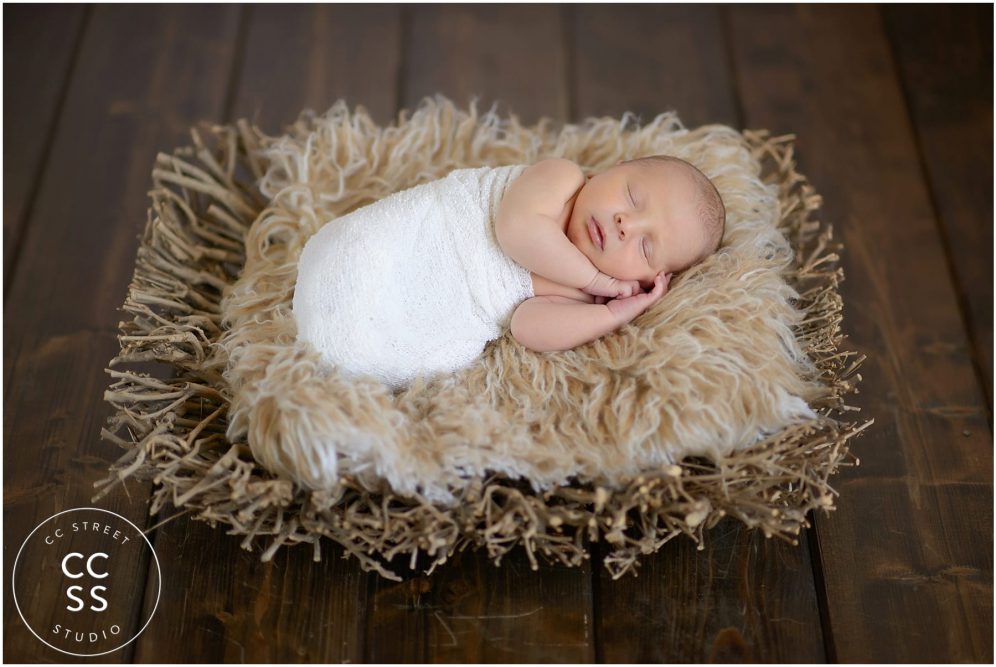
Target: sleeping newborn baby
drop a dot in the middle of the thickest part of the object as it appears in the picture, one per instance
(417, 283)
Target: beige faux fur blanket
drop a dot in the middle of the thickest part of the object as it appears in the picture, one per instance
(710, 369)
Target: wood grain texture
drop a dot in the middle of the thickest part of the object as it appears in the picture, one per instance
(907, 556)
(648, 59)
(145, 74)
(39, 43)
(469, 611)
(299, 57)
(944, 58)
(221, 603)
(510, 54)
(743, 598)
(291, 609)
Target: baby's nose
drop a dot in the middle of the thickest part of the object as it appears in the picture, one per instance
(624, 224)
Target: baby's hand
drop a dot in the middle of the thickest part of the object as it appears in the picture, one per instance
(604, 285)
(625, 309)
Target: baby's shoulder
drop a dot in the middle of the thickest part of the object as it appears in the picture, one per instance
(553, 172)
(545, 287)
(544, 188)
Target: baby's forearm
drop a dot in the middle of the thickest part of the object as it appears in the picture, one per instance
(544, 325)
(541, 246)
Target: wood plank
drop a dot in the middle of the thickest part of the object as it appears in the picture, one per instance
(144, 75)
(953, 119)
(469, 610)
(298, 58)
(510, 54)
(907, 556)
(223, 604)
(648, 59)
(39, 42)
(743, 598)
(290, 609)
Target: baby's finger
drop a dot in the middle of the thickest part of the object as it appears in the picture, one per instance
(664, 280)
(645, 299)
(660, 287)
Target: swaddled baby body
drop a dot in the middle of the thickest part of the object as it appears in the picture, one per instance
(419, 282)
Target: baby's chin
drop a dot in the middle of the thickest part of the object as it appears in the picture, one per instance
(584, 246)
(621, 275)
(596, 258)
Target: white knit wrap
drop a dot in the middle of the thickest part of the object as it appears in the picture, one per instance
(413, 284)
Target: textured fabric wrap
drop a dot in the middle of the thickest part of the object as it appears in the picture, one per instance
(413, 284)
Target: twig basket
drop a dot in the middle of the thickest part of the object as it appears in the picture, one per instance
(173, 427)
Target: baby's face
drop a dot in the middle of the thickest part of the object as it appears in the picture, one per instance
(634, 221)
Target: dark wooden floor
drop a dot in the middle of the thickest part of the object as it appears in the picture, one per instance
(892, 107)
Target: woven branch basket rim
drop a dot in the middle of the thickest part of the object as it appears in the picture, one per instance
(173, 429)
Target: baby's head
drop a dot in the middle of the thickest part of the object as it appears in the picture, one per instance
(650, 215)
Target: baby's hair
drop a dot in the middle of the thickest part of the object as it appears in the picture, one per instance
(709, 202)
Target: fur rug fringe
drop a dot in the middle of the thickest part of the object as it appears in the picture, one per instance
(183, 301)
